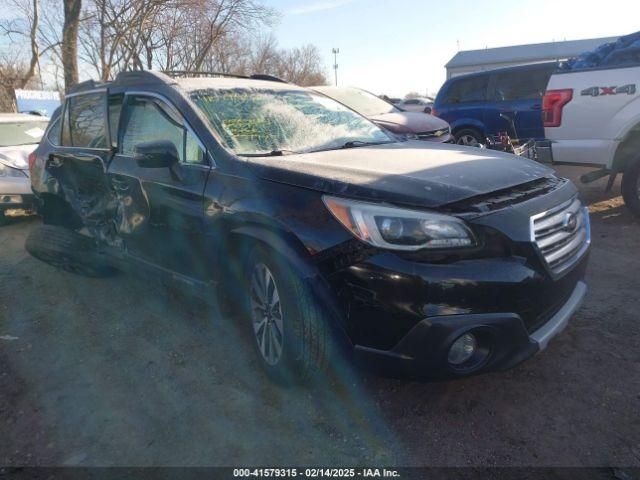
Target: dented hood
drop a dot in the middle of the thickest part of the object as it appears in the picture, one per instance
(412, 173)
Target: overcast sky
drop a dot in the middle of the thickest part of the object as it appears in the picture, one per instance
(396, 46)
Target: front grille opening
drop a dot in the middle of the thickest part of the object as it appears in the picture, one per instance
(509, 196)
(561, 234)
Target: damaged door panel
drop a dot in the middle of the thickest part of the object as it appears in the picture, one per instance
(83, 184)
(80, 166)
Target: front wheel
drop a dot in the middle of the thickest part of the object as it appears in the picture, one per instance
(469, 137)
(287, 327)
(631, 187)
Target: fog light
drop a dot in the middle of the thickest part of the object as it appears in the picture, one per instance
(462, 349)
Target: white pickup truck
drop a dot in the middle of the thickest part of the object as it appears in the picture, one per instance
(592, 117)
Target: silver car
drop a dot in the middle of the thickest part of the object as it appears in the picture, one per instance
(19, 136)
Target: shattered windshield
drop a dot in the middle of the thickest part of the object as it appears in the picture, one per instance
(21, 133)
(260, 121)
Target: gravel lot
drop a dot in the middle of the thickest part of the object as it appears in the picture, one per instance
(118, 372)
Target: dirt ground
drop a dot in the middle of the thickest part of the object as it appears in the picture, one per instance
(117, 372)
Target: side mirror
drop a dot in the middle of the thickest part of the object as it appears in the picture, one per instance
(156, 154)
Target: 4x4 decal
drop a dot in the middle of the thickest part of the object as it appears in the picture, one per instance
(629, 89)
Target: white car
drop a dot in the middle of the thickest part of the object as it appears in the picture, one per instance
(19, 136)
(416, 105)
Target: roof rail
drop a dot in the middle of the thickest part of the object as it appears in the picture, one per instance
(149, 77)
(255, 76)
(154, 77)
(197, 73)
(86, 85)
(264, 76)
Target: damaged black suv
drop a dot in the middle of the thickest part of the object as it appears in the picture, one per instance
(427, 260)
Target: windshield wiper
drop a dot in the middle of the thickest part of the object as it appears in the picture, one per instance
(353, 144)
(272, 153)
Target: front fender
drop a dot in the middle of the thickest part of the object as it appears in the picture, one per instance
(294, 254)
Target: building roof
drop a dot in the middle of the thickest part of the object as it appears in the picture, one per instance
(523, 53)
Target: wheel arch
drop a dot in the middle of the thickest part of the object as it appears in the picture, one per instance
(245, 237)
(468, 123)
(628, 150)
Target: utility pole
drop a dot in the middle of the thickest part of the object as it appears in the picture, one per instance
(335, 51)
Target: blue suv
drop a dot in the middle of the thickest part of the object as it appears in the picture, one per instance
(482, 104)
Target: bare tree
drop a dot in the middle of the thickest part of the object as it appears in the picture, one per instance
(303, 66)
(24, 25)
(69, 54)
(118, 35)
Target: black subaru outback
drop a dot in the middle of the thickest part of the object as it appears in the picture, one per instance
(430, 260)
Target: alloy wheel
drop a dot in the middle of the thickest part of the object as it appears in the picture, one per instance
(468, 140)
(266, 312)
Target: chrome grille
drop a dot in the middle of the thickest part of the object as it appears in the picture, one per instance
(433, 133)
(562, 234)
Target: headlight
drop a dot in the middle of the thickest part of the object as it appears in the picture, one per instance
(7, 171)
(399, 229)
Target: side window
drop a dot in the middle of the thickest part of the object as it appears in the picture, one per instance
(521, 85)
(411, 101)
(148, 119)
(468, 90)
(54, 132)
(85, 121)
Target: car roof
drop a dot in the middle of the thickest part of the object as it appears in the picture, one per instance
(331, 88)
(187, 81)
(190, 84)
(21, 117)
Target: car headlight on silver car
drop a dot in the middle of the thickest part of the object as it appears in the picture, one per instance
(399, 228)
(8, 171)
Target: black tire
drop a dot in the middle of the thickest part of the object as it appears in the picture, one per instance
(68, 250)
(460, 136)
(631, 187)
(307, 338)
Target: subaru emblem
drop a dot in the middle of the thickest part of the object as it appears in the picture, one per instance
(570, 222)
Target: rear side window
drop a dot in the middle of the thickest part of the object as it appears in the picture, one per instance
(148, 119)
(467, 90)
(85, 122)
(521, 85)
(54, 132)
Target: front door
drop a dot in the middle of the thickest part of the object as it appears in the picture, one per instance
(160, 216)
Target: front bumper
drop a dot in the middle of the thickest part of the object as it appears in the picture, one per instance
(503, 339)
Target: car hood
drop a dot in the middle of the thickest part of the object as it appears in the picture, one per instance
(412, 173)
(18, 156)
(409, 122)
